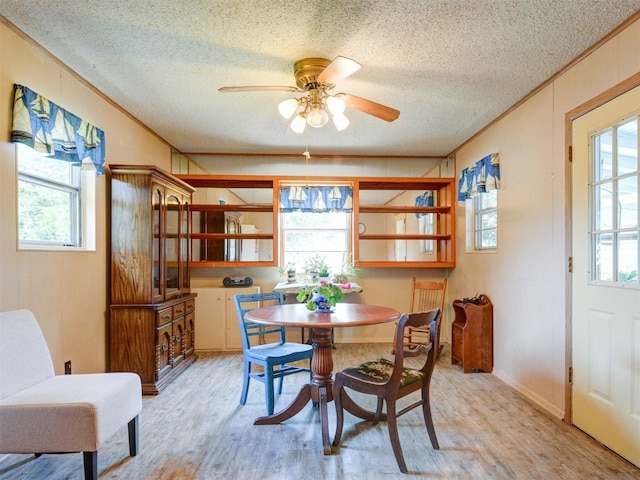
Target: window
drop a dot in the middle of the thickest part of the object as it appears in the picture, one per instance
(485, 220)
(309, 233)
(400, 229)
(426, 227)
(55, 203)
(613, 196)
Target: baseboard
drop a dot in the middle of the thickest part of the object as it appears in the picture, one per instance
(535, 398)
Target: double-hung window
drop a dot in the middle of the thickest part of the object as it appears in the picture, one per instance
(53, 200)
(306, 234)
(478, 187)
(58, 155)
(485, 220)
(316, 224)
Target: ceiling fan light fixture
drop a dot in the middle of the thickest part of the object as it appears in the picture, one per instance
(298, 124)
(335, 105)
(317, 117)
(341, 122)
(288, 107)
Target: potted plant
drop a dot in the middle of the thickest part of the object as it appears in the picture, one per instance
(348, 269)
(321, 296)
(290, 269)
(316, 266)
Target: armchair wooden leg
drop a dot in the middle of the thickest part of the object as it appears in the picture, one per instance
(428, 419)
(376, 417)
(337, 400)
(133, 436)
(392, 426)
(90, 465)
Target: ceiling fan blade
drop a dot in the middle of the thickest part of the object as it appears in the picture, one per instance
(259, 89)
(339, 68)
(372, 108)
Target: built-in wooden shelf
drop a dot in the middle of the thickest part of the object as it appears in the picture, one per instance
(443, 235)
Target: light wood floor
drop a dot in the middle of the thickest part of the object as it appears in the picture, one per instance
(196, 429)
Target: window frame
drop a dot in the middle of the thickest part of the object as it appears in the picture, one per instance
(613, 180)
(479, 213)
(348, 232)
(82, 217)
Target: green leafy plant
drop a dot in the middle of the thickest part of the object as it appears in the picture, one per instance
(316, 264)
(289, 267)
(348, 269)
(322, 292)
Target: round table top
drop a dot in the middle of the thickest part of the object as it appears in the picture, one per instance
(343, 315)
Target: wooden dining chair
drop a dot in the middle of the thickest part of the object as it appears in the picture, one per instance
(391, 380)
(425, 295)
(275, 357)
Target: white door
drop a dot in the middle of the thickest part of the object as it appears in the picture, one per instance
(605, 293)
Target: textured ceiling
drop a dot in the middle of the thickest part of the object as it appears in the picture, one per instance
(449, 66)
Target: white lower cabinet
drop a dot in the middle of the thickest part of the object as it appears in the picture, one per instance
(217, 326)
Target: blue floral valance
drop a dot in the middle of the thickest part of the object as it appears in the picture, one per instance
(316, 199)
(49, 129)
(424, 200)
(479, 178)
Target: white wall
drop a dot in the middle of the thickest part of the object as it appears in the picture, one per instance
(527, 278)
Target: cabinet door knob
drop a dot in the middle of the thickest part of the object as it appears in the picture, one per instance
(164, 347)
(177, 339)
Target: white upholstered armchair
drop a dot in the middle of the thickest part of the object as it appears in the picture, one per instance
(41, 412)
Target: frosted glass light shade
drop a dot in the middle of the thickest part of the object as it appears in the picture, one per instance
(298, 124)
(288, 107)
(317, 117)
(335, 105)
(341, 122)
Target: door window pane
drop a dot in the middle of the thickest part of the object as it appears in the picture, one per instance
(628, 201)
(604, 206)
(602, 152)
(613, 191)
(603, 257)
(628, 257)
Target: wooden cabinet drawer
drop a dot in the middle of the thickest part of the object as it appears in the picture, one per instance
(190, 306)
(164, 316)
(179, 310)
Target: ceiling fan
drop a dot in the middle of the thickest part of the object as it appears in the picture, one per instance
(315, 77)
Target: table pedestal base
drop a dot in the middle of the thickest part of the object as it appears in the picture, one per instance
(320, 390)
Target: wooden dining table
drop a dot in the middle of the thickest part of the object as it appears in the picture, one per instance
(320, 390)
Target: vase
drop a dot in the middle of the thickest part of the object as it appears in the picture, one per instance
(323, 305)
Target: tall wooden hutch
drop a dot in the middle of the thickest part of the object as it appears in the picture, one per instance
(152, 312)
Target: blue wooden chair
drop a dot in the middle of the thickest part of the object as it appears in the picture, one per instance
(273, 357)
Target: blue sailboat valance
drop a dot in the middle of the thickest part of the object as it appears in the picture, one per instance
(50, 129)
(479, 178)
(424, 200)
(299, 198)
